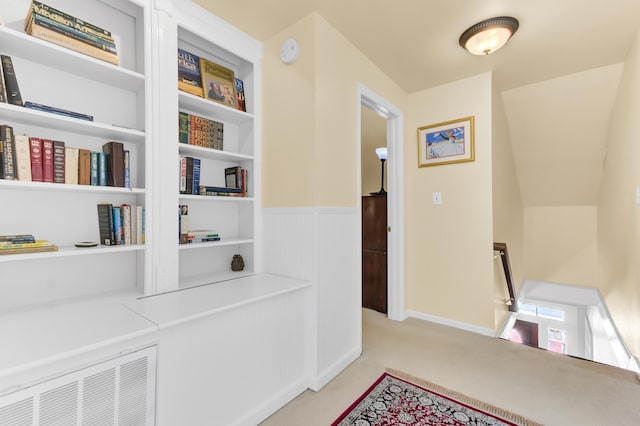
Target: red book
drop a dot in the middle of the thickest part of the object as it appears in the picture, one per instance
(35, 147)
(47, 160)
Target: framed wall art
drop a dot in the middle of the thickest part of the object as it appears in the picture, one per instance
(446, 143)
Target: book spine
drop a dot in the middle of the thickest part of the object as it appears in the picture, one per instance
(127, 168)
(105, 224)
(183, 224)
(37, 243)
(192, 130)
(18, 238)
(195, 188)
(183, 175)
(133, 219)
(35, 147)
(71, 165)
(8, 153)
(3, 89)
(115, 163)
(29, 250)
(183, 126)
(10, 81)
(23, 157)
(74, 33)
(75, 45)
(189, 178)
(59, 27)
(47, 108)
(125, 210)
(47, 160)
(93, 180)
(84, 167)
(39, 8)
(58, 162)
(141, 225)
(102, 169)
(118, 232)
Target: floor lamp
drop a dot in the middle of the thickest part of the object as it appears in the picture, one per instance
(382, 155)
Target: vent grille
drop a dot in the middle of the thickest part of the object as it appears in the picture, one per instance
(120, 392)
(59, 406)
(17, 414)
(99, 399)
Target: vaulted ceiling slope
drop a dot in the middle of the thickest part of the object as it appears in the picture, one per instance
(559, 73)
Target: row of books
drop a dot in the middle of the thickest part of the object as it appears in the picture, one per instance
(10, 93)
(24, 243)
(63, 29)
(121, 225)
(236, 180)
(34, 159)
(200, 131)
(209, 80)
(187, 236)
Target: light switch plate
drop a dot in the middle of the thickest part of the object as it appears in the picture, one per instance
(436, 198)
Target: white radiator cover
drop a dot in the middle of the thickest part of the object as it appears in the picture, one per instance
(120, 391)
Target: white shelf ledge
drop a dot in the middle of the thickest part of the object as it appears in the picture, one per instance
(71, 251)
(212, 110)
(63, 187)
(213, 244)
(213, 154)
(175, 308)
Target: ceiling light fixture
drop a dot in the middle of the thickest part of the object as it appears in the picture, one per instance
(489, 35)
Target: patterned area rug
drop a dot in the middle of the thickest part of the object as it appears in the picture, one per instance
(397, 399)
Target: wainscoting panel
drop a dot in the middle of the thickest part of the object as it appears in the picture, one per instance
(319, 244)
(235, 366)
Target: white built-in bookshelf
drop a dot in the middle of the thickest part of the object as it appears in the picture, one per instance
(118, 97)
(235, 219)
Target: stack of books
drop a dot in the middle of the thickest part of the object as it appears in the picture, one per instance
(24, 243)
(202, 236)
(66, 30)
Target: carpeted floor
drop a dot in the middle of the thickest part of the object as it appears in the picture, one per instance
(545, 387)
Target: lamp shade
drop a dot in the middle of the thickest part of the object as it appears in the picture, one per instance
(381, 153)
(489, 35)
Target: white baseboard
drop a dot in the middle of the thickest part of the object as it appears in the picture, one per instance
(318, 382)
(273, 404)
(452, 323)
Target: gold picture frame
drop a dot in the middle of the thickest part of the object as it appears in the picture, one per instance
(446, 143)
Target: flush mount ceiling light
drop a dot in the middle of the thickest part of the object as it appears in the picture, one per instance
(489, 35)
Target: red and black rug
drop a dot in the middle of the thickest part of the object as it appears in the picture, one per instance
(397, 401)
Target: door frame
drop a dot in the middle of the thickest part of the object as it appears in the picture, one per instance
(395, 196)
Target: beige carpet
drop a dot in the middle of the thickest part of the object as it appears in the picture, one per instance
(543, 386)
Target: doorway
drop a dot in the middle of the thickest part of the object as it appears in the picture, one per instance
(395, 196)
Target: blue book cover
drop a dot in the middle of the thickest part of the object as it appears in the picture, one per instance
(189, 78)
(94, 168)
(102, 169)
(117, 226)
(196, 176)
(127, 169)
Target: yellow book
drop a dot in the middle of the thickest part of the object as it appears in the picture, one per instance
(218, 83)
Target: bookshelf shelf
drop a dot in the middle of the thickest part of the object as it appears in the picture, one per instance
(68, 124)
(61, 187)
(219, 277)
(200, 106)
(18, 43)
(213, 244)
(72, 251)
(213, 154)
(215, 198)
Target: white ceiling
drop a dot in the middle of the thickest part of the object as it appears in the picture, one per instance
(557, 113)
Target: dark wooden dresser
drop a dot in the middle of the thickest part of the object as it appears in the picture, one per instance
(374, 252)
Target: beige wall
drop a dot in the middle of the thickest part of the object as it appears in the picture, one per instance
(448, 248)
(373, 135)
(310, 116)
(560, 244)
(508, 212)
(618, 219)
